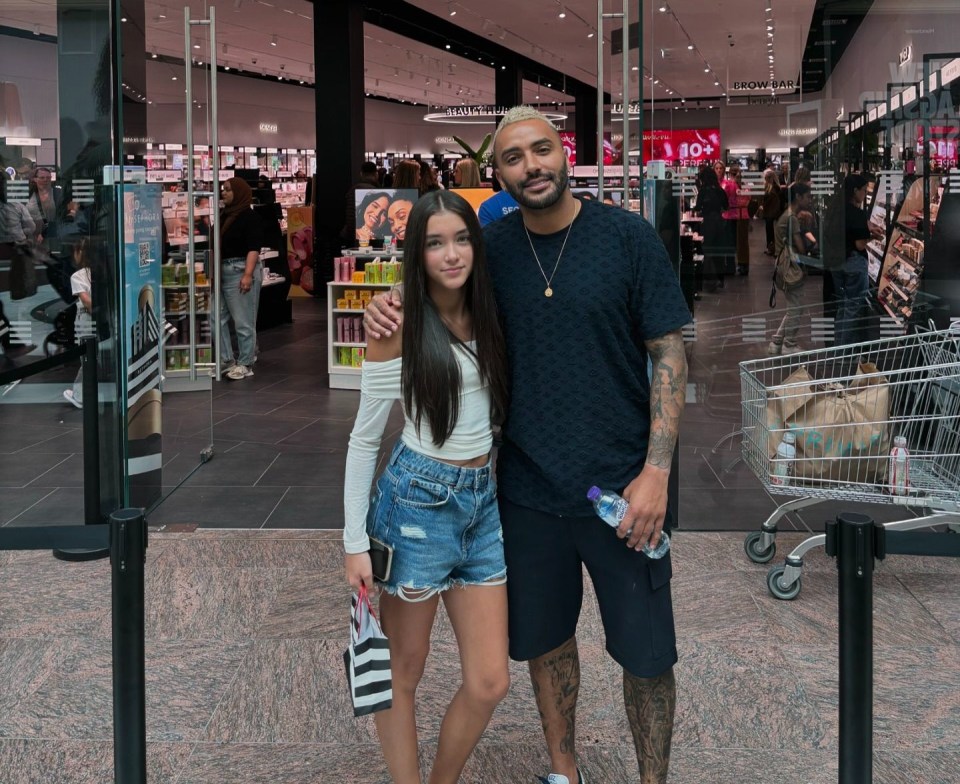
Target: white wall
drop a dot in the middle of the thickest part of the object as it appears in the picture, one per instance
(32, 67)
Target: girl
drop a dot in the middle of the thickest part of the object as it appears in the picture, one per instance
(372, 215)
(435, 502)
(81, 285)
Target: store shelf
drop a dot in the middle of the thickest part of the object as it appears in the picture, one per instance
(186, 346)
(349, 345)
(347, 369)
(349, 311)
(184, 285)
(348, 284)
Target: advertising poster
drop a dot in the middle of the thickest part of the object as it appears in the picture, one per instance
(142, 220)
(382, 213)
(300, 246)
(569, 141)
(942, 143)
(684, 147)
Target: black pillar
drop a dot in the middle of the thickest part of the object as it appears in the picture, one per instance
(338, 53)
(133, 69)
(508, 85)
(585, 125)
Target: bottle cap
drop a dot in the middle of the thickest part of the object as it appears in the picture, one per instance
(593, 493)
(900, 441)
(789, 438)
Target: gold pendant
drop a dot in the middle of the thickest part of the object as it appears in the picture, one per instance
(548, 292)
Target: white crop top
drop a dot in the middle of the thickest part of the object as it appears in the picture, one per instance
(380, 387)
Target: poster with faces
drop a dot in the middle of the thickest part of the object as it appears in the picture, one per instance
(383, 213)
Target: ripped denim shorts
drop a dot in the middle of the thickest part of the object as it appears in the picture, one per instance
(442, 521)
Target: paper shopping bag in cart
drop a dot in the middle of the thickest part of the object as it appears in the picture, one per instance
(783, 403)
(367, 660)
(843, 431)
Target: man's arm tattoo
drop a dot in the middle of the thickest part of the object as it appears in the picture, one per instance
(668, 392)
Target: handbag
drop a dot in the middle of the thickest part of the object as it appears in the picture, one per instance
(787, 273)
(367, 659)
(23, 273)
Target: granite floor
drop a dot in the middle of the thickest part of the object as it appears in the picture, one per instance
(245, 683)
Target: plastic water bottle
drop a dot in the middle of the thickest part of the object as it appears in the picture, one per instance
(783, 465)
(611, 508)
(898, 479)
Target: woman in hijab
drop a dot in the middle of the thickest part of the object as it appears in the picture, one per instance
(241, 237)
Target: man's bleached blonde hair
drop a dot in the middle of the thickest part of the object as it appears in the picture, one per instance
(517, 114)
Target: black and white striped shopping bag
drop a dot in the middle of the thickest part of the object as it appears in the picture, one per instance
(367, 659)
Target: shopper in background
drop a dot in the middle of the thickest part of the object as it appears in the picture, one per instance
(711, 204)
(497, 206)
(45, 202)
(467, 174)
(851, 281)
(770, 208)
(241, 238)
(370, 216)
(435, 502)
(369, 179)
(398, 213)
(81, 286)
(581, 416)
(17, 231)
(738, 219)
(788, 229)
(406, 176)
(428, 179)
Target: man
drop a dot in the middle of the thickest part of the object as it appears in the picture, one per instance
(368, 181)
(790, 230)
(586, 295)
(497, 206)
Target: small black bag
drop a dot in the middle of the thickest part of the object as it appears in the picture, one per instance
(23, 273)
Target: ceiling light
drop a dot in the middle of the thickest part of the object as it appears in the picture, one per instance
(563, 13)
(635, 68)
(706, 70)
(591, 34)
(663, 8)
(196, 44)
(154, 54)
(690, 47)
(656, 81)
(162, 13)
(769, 27)
(173, 78)
(226, 67)
(123, 19)
(451, 9)
(447, 46)
(273, 40)
(716, 84)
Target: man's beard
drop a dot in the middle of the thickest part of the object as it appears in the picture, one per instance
(545, 200)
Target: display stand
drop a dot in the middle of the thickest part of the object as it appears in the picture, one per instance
(345, 356)
(188, 311)
(903, 264)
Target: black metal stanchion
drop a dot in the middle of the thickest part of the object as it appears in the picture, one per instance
(128, 547)
(853, 540)
(91, 453)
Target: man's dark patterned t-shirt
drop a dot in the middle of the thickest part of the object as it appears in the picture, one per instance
(580, 392)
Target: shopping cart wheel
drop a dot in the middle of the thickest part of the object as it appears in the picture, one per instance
(754, 549)
(777, 587)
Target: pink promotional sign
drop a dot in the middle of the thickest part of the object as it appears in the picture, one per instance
(688, 147)
(569, 141)
(942, 142)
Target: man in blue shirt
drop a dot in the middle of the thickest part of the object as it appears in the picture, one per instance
(497, 206)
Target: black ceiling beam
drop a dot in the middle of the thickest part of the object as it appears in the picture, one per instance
(832, 28)
(416, 24)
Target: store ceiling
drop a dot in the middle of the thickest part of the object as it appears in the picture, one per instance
(278, 34)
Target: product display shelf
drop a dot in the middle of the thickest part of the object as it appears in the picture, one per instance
(903, 269)
(177, 300)
(344, 376)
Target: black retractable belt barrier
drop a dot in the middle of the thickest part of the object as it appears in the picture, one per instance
(91, 456)
(127, 539)
(856, 541)
(128, 551)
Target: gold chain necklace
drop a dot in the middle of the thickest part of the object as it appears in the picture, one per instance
(548, 292)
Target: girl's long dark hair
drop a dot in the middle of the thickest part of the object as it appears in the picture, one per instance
(431, 375)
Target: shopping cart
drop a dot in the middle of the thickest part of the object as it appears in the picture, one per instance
(844, 407)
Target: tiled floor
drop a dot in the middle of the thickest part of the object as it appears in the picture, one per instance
(280, 437)
(245, 683)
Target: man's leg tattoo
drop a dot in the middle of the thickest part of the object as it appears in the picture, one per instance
(556, 685)
(651, 704)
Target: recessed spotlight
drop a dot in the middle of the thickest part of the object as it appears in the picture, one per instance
(690, 47)
(273, 40)
(123, 19)
(706, 70)
(451, 9)
(591, 34)
(563, 13)
(447, 46)
(196, 44)
(173, 78)
(663, 8)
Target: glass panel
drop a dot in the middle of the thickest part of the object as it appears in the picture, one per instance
(58, 126)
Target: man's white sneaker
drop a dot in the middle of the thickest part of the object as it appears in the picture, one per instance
(239, 372)
(557, 778)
